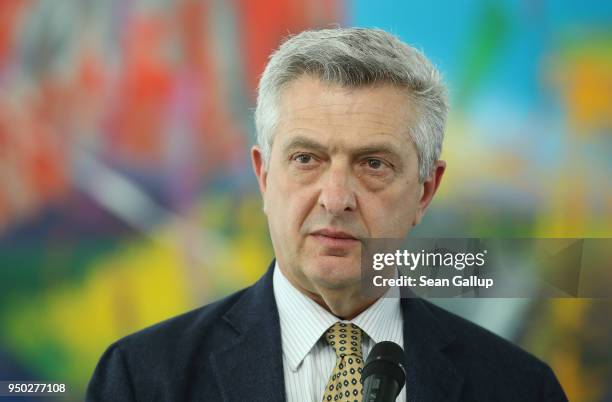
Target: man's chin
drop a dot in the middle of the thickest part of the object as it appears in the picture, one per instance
(335, 272)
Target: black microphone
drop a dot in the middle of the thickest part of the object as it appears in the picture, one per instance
(384, 373)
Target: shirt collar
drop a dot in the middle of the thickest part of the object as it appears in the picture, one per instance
(382, 321)
(303, 321)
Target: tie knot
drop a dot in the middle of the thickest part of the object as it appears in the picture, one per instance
(345, 339)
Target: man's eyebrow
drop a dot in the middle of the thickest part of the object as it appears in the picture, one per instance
(303, 142)
(307, 143)
(382, 148)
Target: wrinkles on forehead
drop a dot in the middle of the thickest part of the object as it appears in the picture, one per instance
(357, 120)
(308, 98)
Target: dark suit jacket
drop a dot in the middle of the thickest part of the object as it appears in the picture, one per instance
(230, 350)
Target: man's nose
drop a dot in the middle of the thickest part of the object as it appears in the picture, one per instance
(337, 193)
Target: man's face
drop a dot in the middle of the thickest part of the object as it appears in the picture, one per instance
(342, 168)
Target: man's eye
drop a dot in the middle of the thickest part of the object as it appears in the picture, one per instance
(303, 158)
(374, 163)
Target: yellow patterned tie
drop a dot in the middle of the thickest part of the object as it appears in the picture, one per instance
(345, 381)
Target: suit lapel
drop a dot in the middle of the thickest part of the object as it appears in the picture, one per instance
(250, 368)
(430, 375)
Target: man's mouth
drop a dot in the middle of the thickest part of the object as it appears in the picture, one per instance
(335, 238)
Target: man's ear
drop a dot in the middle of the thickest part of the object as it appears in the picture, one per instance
(428, 189)
(260, 171)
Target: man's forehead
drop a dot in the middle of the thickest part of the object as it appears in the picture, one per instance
(310, 95)
(310, 103)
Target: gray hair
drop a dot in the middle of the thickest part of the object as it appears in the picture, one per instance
(357, 57)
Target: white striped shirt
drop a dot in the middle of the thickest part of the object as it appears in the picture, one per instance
(308, 360)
